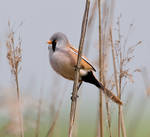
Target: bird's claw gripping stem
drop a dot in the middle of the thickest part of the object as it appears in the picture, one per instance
(74, 97)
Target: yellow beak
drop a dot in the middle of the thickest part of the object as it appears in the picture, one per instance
(49, 42)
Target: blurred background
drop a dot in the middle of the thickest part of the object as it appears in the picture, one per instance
(46, 94)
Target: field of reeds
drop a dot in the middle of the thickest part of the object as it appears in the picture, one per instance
(38, 111)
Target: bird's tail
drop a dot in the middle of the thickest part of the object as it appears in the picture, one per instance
(90, 78)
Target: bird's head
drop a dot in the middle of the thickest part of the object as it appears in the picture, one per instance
(58, 40)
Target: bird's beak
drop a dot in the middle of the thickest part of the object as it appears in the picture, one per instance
(49, 42)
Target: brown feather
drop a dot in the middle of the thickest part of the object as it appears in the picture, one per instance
(84, 61)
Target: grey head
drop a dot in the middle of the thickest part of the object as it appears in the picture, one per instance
(58, 40)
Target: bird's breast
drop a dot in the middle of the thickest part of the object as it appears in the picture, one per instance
(63, 63)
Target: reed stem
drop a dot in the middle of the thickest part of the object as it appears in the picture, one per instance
(77, 69)
(100, 73)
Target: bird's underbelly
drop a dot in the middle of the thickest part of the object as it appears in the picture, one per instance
(63, 64)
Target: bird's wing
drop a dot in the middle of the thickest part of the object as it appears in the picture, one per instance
(84, 61)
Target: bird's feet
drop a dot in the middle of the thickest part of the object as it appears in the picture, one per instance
(74, 97)
(76, 67)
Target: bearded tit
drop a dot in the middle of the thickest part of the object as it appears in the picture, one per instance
(63, 59)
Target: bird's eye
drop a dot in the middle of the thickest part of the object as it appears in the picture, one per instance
(54, 45)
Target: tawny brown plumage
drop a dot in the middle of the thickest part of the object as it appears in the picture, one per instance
(63, 59)
(84, 61)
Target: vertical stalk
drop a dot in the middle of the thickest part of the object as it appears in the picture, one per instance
(14, 57)
(100, 73)
(37, 129)
(121, 125)
(116, 82)
(19, 105)
(77, 69)
(108, 117)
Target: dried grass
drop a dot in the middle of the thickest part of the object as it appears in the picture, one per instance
(14, 57)
(104, 24)
(122, 56)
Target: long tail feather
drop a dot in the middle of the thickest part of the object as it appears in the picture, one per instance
(90, 78)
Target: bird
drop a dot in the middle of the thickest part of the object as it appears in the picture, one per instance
(63, 59)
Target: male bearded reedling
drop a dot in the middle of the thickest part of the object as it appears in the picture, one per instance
(63, 59)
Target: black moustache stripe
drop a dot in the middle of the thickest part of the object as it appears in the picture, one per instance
(54, 45)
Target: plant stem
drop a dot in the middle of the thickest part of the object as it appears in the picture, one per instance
(38, 115)
(100, 73)
(121, 125)
(108, 117)
(19, 105)
(116, 82)
(75, 88)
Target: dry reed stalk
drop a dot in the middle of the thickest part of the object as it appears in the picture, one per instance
(111, 85)
(100, 73)
(14, 57)
(75, 86)
(108, 113)
(123, 128)
(89, 33)
(122, 56)
(116, 82)
(121, 125)
(108, 117)
(37, 129)
(107, 16)
(108, 109)
(122, 60)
